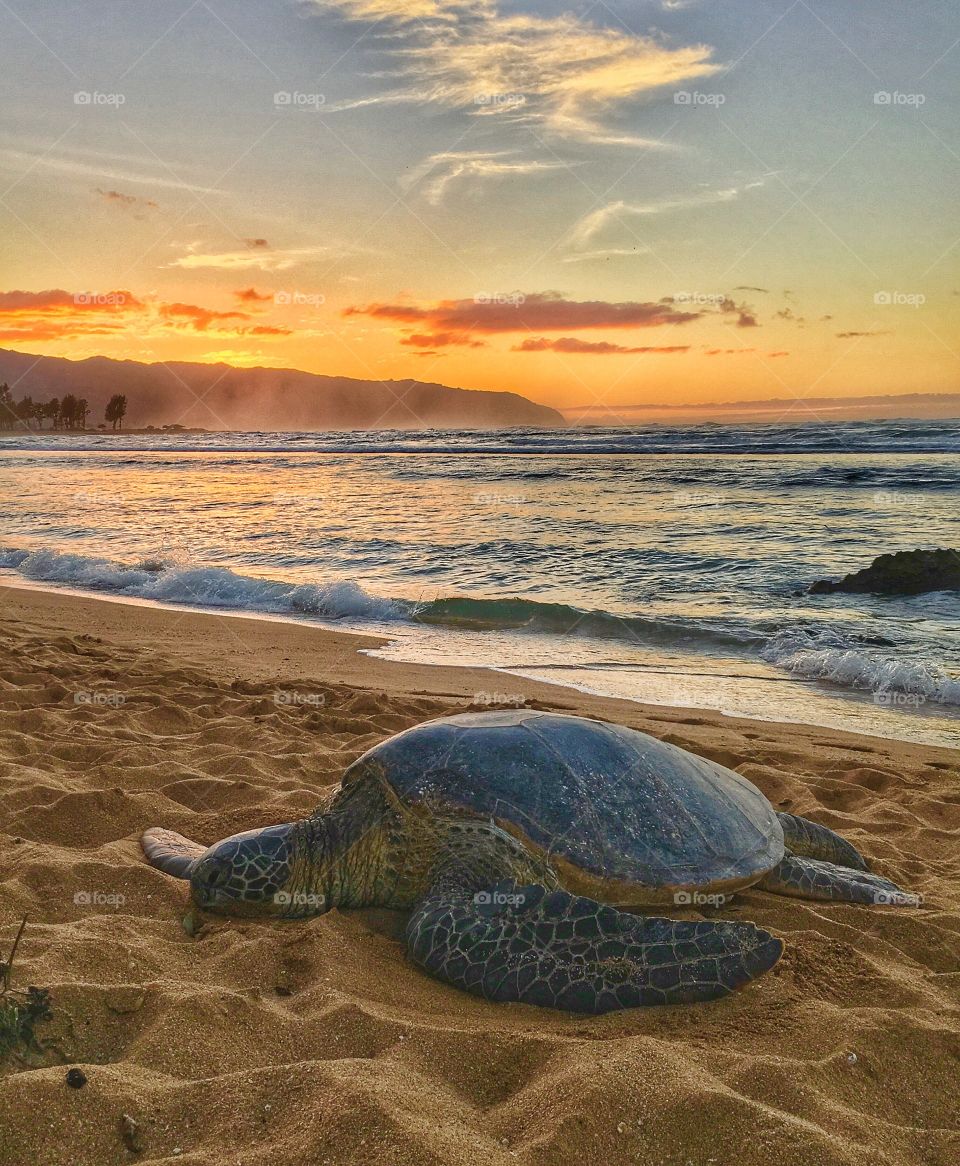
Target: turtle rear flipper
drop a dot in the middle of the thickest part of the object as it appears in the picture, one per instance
(170, 852)
(810, 878)
(556, 950)
(811, 840)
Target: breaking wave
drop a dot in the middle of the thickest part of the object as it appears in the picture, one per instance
(850, 660)
(827, 656)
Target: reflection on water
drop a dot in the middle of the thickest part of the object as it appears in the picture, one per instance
(667, 577)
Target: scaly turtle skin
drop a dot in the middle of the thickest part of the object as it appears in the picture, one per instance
(515, 839)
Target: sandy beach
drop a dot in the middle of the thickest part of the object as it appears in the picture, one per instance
(316, 1042)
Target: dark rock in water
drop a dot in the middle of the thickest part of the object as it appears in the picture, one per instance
(905, 573)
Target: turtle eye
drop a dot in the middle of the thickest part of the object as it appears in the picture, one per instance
(214, 876)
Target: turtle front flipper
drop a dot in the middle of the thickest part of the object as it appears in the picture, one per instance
(811, 840)
(170, 852)
(556, 950)
(809, 878)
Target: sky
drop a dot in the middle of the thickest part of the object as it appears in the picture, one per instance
(595, 205)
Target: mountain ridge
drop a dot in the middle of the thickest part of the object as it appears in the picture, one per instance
(225, 396)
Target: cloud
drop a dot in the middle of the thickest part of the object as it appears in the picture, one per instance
(118, 198)
(724, 305)
(55, 314)
(375, 10)
(742, 352)
(13, 159)
(606, 253)
(857, 335)
(205, 320)
(265, 330)
(195, 317)
(747, 287)
(572, 344)
(582, 237)
(441, 340)
(558, 74)
(250, 295)
(744, 313)
(256, 242)
(263, 258)
(57, 300)
(444, 169)
(535, 312)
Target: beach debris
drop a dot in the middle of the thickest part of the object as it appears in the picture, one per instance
(76, 1078)
(905, 573)
(131, 1134)
(20, 1012)
(191, 922)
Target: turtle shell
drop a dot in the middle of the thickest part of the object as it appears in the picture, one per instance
(613, 808)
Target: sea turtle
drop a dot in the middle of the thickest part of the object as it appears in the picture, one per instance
(521, 842)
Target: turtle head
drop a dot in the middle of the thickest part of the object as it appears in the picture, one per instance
(254, 873)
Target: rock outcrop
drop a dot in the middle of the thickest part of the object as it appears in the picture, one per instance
(905, 573)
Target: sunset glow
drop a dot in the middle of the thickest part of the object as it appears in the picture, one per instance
(647, 203)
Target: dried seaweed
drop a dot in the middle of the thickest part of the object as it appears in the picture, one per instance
(20, 1011)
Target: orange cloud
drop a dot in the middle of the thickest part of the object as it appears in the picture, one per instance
(196, 317)
(55, 314)
(441, 340)
(250, 295)
(538, 311)
(572, 344)
(57, 300)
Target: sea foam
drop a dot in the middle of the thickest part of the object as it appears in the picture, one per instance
(826, 656)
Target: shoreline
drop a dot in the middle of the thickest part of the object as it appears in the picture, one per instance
(369, 644)
(317, 1040)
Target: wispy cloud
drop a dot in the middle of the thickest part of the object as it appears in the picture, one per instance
(559, 74)
(19, 160)
(444, 169)
(262, 258)
(583, 236)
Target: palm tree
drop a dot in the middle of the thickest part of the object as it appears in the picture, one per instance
(68, 411)
(52, 410)
(116, 410)
(24, 411)
(6, 407)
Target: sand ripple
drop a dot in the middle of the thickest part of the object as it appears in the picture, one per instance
(316, 1042)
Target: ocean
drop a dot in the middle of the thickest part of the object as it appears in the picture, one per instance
(657, 563)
